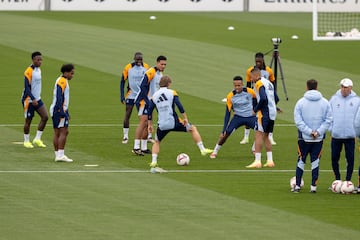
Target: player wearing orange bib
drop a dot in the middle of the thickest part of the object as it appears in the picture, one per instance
(241, 101)
(149, 85)
(32, 102)
(266, 113)
(267, 73)
(133, 73)
(59, 111)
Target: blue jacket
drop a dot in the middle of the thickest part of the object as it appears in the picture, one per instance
(343, 111)
(312, 113)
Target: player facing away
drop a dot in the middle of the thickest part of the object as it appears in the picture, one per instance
(165, 100)
(267, 73)
(312, 116)
(241, 101)
(133, 73)
(31, 101)
(149, 85)
(266, 113)
(59, 111)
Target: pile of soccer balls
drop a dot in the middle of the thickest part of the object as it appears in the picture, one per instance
(337, 186)
(344, 187)
(352, 33)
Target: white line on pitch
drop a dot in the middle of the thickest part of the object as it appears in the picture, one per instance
(119, 125)
(146, 171)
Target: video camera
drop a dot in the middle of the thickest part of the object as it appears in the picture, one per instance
(276, 41)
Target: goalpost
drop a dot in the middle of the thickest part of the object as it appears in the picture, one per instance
(336, 20)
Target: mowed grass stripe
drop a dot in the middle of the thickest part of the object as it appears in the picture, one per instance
(191, 64)
(90, 205)
(211, 219)
(115, 205)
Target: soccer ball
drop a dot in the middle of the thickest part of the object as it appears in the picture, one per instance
(182, 159)
(336, 186)
(330, 34)
(293, 182)
(347, 187)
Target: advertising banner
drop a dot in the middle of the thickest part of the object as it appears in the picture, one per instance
(303, 5)
(147, 5)
(22, 5)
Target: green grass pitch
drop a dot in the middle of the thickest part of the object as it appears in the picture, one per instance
(119, 198)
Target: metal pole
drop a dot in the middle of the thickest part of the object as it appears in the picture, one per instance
(246, 5)
(282, 79)
(275, 57)
(47, 5)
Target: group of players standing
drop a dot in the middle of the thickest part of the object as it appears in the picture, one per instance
(31, 101)
(147, 89)
(253, 105)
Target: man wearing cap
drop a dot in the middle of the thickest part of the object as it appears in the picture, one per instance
(344, 104)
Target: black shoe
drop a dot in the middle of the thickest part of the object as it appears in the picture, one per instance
(147, 151)
(137, 152)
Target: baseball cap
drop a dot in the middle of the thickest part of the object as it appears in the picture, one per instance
(346, 82)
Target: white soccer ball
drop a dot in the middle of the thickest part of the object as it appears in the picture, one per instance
(347, 187)
(336, 186)
(293, 182)
(330, 34)
(182, 159)
(355, 31)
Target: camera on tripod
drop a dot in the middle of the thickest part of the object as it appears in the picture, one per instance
(276, 41)
(277, 63)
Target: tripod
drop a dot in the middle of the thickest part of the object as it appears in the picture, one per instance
(277, 63)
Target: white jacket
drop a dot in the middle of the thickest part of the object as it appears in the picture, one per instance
(343, 111)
